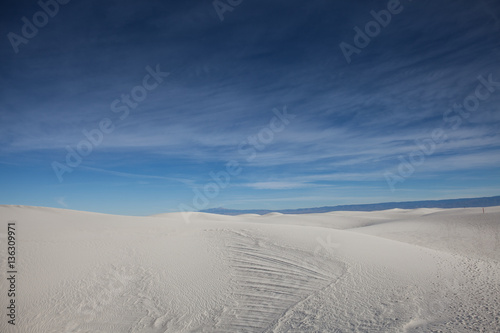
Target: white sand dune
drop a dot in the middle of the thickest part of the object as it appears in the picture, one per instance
(422, 270)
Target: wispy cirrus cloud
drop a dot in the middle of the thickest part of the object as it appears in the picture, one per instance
(352, 121)
(277, 185)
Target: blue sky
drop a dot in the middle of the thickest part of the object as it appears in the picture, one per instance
(353, 128)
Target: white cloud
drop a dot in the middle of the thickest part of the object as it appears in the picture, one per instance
(61, 201)
(280, 185)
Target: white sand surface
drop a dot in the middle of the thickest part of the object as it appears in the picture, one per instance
(422, 270)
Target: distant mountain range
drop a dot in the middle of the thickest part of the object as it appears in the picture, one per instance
(449, 203)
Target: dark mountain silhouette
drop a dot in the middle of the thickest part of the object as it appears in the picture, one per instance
(448, 203)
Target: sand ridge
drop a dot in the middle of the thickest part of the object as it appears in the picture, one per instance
(422, 270)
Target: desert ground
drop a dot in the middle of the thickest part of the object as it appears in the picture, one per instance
(421, 270)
